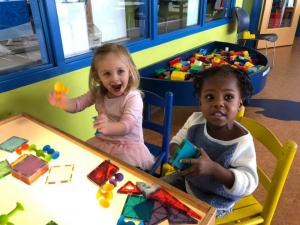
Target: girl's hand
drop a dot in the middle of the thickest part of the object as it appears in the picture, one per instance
(202, 166)
(102, 124)
(107, 127)
(58, 100)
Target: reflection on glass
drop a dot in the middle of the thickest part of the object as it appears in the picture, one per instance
(19, 47)
(281, 13)
(176, 14)
(87, 24)
(215, 9)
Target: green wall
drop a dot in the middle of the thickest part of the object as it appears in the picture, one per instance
(248, 6)
(32, 99)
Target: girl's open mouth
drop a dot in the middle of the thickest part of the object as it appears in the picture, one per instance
(218, 114)
(117, 88)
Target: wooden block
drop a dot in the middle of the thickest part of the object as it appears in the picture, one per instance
(28, 168)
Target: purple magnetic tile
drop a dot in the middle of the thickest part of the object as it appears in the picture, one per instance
(159, 214)
(177, 217)
(29, 165)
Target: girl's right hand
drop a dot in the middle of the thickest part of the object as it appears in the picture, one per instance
(58, 100)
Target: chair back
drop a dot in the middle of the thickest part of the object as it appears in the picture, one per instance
(284, 154)
(243, 19)
(164, 129)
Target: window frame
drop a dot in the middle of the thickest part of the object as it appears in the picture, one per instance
(48, 33)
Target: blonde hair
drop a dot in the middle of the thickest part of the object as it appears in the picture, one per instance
(95, 85)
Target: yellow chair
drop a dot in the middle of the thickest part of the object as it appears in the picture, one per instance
(249, 210)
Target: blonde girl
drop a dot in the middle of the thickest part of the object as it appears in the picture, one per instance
(113, 89)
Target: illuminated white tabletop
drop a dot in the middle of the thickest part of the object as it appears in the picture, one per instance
(72, 203)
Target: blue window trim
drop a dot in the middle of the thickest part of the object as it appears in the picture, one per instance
(51, 47)
(163, 38)
(39, 31)
(254, 20)
(255, 16)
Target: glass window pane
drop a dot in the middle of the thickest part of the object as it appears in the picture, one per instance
(89, 23)
(215, 9)
(176, 14)
(281, 13)
(19, 45)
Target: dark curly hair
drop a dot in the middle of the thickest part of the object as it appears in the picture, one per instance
(242, 77)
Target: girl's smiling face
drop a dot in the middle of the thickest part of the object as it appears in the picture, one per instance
(114, 74)
(220, 100)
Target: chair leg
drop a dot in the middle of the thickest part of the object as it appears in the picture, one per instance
(244, 42)
(273, 60)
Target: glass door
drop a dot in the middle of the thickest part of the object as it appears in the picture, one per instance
(280, 17)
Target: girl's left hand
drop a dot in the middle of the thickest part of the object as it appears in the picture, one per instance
(202, 166)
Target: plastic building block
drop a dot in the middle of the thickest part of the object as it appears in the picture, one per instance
(175, 61)
(4, 218)
(195, 69)
(184, 69)
(203, 51)
(178, 75)
(248, 65)
(185, 151)
(252, 69)
(177, 66)
(159, 72)
(167, 169)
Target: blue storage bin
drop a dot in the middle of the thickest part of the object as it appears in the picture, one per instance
(183, 91)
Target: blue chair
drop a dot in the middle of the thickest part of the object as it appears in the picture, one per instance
(153, 103)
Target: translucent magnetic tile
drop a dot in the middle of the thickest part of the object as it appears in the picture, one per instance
(134, 205)
(51, 223)
(28, 165)
(12, 143)
(60, 174)
(4, 168)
